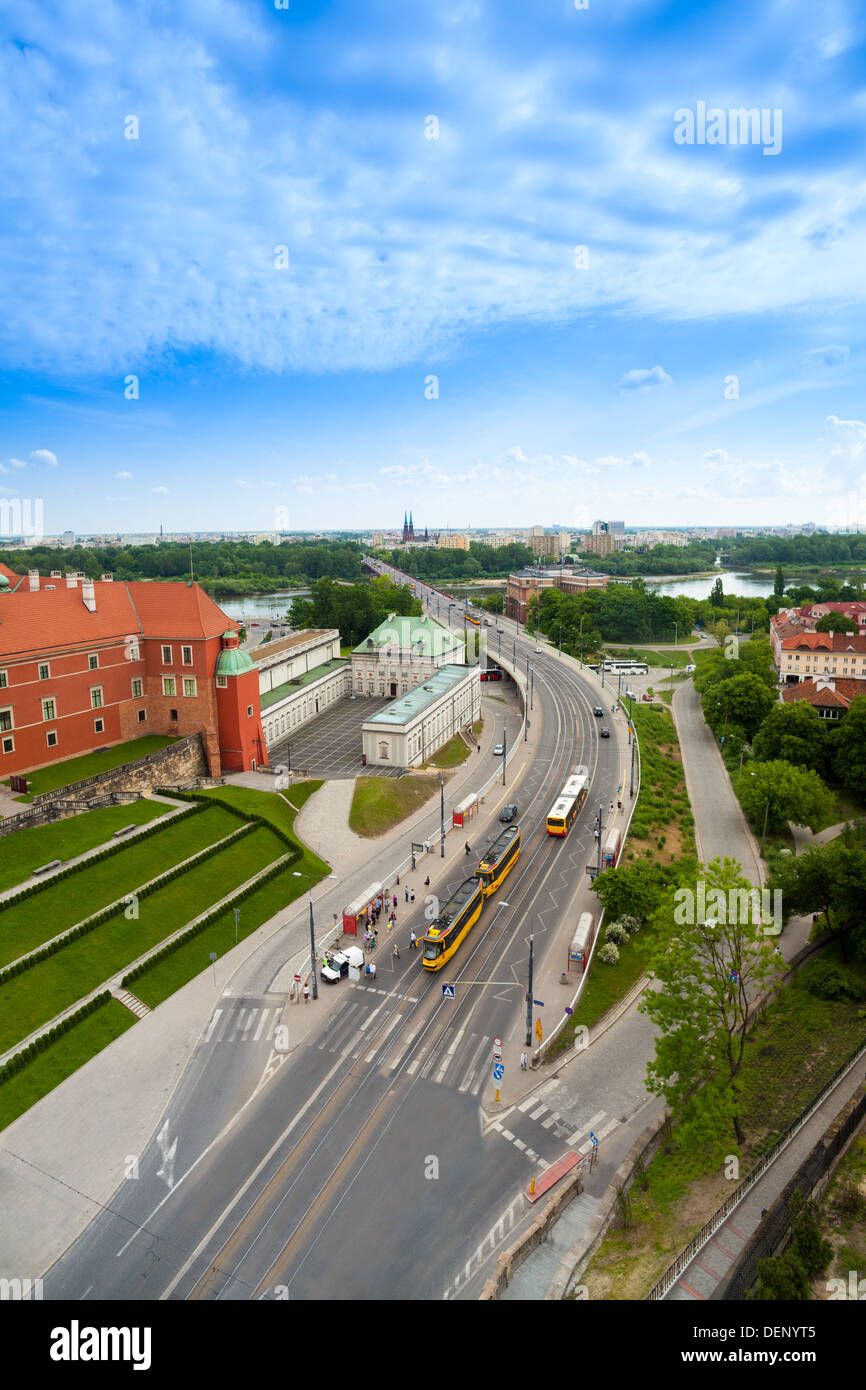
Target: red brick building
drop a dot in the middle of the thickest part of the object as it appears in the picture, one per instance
(89, 663)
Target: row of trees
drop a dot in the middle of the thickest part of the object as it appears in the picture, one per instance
(635, 613)
(478, 562)
(819, 549)
(661, 559)
(356, 609)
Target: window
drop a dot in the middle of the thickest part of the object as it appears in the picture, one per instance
(96, 697)
(168, 685)
(49, 709)
(93, 661)
(166, 656)
(44, 671)
(8, 745)
(189, 687)
(173, 715)
(222, 682)
(5, 720)
(3, 680)
(186, 655)
(142, 715)
(132, 649)
(136, 689)
(249, 711)
(98, 726)
(51, 738)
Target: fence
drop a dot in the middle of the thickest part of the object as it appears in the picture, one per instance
(707, 1231)
(67, 806)
(158, 755)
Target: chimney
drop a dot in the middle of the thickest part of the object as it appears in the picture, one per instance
(33, 577)
(71, 581)
(88, 597)
(55, 574)
(108, 579)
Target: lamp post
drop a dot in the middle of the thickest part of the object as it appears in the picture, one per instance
(600, 832)
(499, 635)
(581, 640)
(529, 997)
(560, 639)
(504, 748)
(442, 815)
(296, 874)
(532, 689)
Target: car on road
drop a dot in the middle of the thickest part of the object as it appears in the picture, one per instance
(509, 812)
(604, 733)
(499, 750)
(598, 711)
(336, 965)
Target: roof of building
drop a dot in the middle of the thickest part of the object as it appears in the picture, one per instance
(54, 616)
(825, 642)
(279, 692)
(406, 707)
(232, 661)
(286, 644)
(835, 693)
(405, 632)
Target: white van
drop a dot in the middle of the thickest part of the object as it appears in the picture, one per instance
(336, 965)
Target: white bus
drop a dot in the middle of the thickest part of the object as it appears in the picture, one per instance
(628, 668)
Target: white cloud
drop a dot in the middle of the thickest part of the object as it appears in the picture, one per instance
(159, 489)
(849, 437)
(44, 456)
(645, 379)
(123, 474)
(18, 463)
(833, 356)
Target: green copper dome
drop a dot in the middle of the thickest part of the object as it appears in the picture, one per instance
(4, 581)
(232, 661)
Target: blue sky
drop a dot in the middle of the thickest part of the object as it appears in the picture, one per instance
(571, 384)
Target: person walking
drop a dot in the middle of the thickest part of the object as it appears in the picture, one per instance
(412, 896)
(394, 902)
(427, 881)
(396, 951)
(406, 890)
(306, 994)
(373, 942)
(413, 941)
(523, 1061)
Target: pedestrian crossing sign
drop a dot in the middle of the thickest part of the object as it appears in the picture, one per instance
(447, 991)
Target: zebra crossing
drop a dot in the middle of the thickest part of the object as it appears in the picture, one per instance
(246, 1023)
(457, 1057)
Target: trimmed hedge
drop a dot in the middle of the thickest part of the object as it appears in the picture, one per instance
(35, 889)
(32, 1050)
(113, 910)
(209, 920)
(256, 816)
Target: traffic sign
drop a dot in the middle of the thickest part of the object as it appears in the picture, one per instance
(498, 1072)
(568, 1010)
(538, 1032)
(497, 1042)
(297, 979)
(593, 1139)
(497, 1054)
(447, 991)
(539, 1002)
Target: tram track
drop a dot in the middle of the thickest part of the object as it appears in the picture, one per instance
(223, 1275)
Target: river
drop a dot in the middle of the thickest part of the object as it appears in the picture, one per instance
(260, 607)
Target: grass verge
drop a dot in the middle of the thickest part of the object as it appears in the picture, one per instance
(451, 754)
(48, 779)
(379, 803)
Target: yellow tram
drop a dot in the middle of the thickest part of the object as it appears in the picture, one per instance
(499, 859)
(455, 921)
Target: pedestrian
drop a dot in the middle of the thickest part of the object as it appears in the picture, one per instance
(398, 880)
(396, 951)
(619, 805)
(406, 890)
(427, 881)
(523, 1061)
(478, 747)
(413, 941)
(306, 994)
(595, 833)
(611, 808)
(412, 895)
(395, 902)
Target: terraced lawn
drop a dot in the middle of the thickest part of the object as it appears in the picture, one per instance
(25, 850)
(61, 1059)
(48, 779)
(33, 998)
(28, 924)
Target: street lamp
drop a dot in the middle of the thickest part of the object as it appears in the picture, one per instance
(308, 877)
(581, 640)
(442, 814)
(499, 631)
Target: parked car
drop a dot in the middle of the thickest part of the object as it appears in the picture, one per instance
(604, 733)
(499, 750)
(509, 812)
(336, 965)
(598, 711)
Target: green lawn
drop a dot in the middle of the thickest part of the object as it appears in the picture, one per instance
(48, 779)
(451, 754)
(33, 998)
(62, 1058)
(25, 850)
(380, 803)
(28, 923)
(280, 808)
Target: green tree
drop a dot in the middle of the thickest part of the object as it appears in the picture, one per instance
(710, 973)
(795, 732)
(742, 703)
(717, 594)
(836, 622)
(776, 792)
(830, 879)
(634, 892)
(782, 1278)
(779, 585)
(494, 603)
(848, 743)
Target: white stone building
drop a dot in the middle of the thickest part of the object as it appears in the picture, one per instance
(408, 732)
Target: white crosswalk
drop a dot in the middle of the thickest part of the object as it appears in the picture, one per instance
(248, 1024)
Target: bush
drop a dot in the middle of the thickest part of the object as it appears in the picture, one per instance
(609, 955)
(630, 923)
(616, 933)
(826, 979)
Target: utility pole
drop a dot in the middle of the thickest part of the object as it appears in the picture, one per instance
(442, 813)
(313, 948)
(581, 640)
(633, 745)
(529, 998)
(514, 654)
(504, 749)
(600, 833)
(532, 689)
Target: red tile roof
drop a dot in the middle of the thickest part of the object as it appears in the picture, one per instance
(825, 642)
(10, 574)
(48, 619)
(820, 693)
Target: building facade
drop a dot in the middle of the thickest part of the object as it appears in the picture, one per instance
(524, 584)
(401, 653)
(299, 678)
(407, 732)
(85, 664)
(810, 654)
